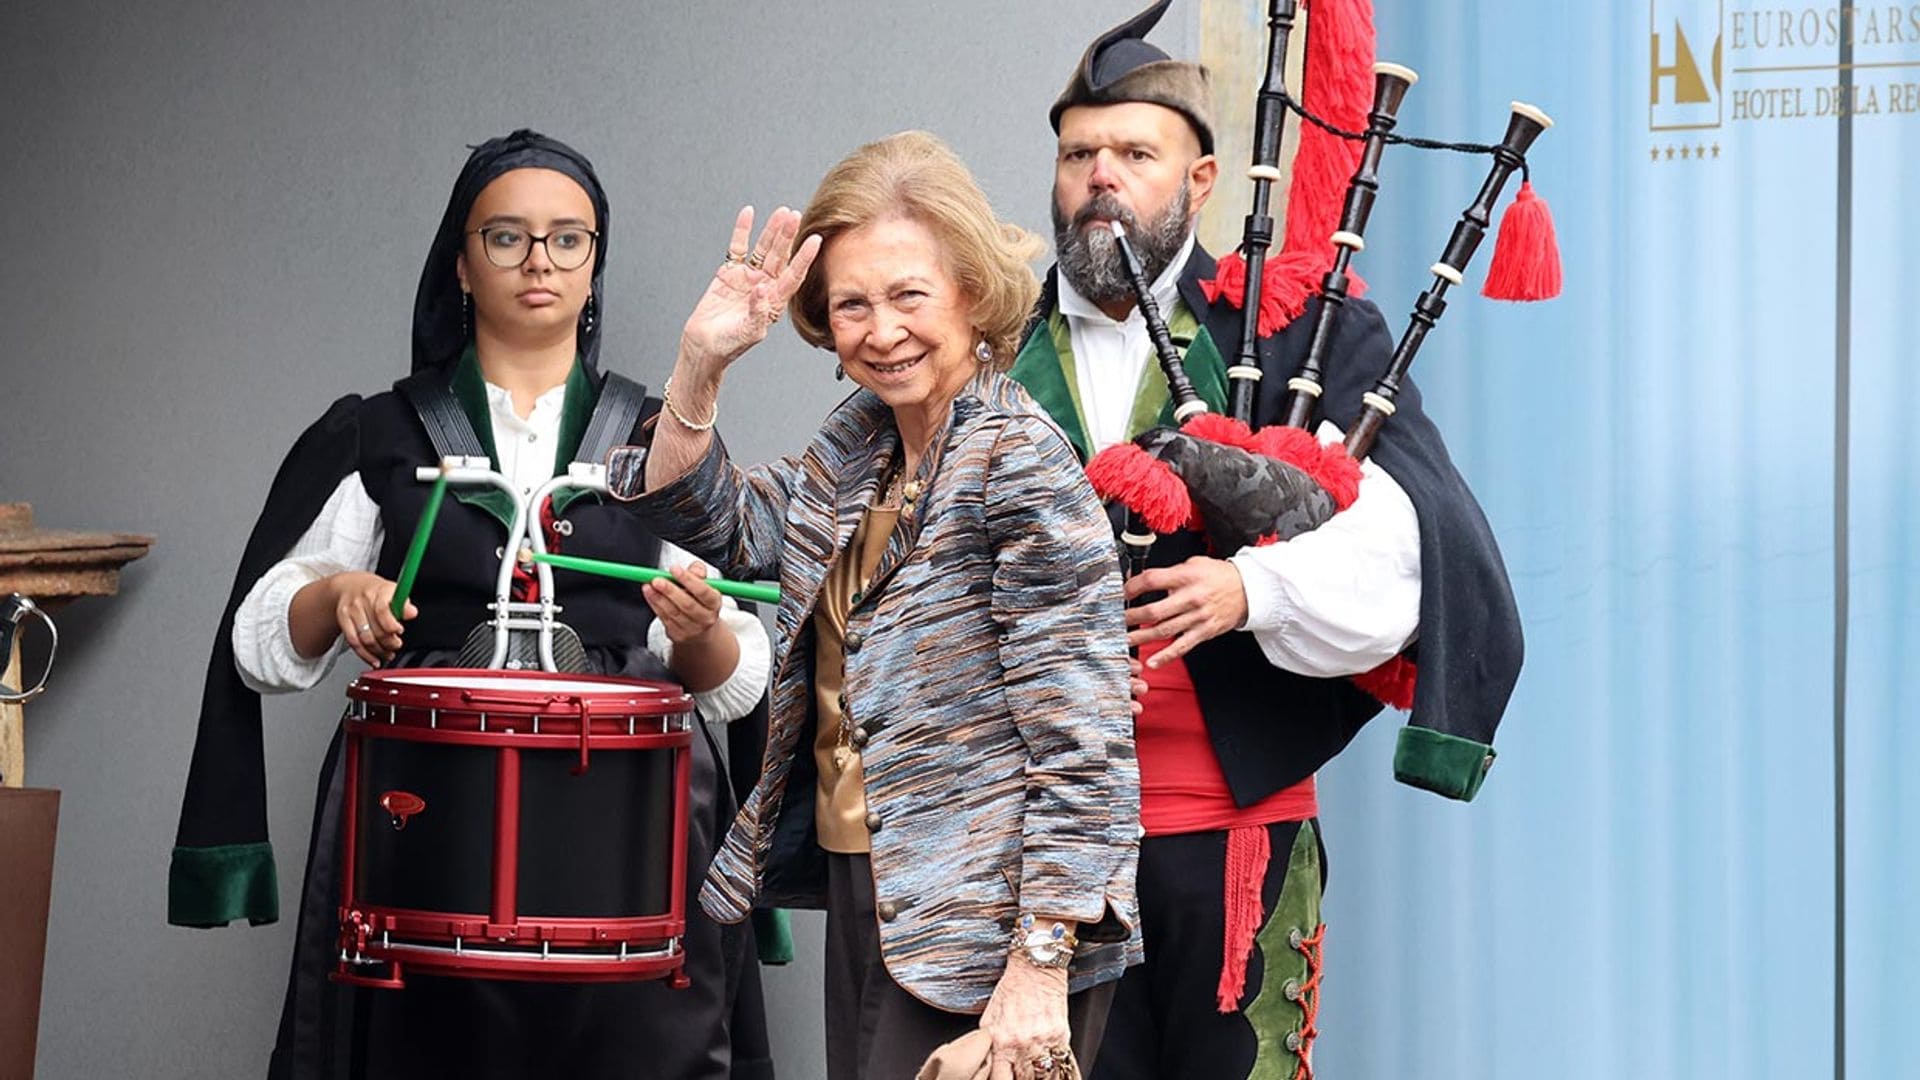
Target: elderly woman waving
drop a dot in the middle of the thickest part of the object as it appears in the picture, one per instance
(950, 768)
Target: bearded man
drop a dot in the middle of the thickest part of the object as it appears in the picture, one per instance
(1248, 655)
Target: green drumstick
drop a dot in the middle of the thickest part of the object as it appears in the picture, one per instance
(741, 590)
(418, 548)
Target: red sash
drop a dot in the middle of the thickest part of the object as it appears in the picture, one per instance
(1182, 789)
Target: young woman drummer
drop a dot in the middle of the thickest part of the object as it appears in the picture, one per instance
(507, 338)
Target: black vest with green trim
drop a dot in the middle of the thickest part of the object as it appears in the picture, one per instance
(1272, 728)
(456, 578)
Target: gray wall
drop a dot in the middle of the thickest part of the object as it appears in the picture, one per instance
(215, 215)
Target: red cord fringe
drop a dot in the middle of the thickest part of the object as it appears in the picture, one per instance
(1328, 463)
(1219, 428)
(1339, 88)
(1247, 855)
(1142, 483)
(1392, 683)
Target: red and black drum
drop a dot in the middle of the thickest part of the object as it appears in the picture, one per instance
(514, 825)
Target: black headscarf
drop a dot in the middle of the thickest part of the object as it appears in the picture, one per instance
(439, 315)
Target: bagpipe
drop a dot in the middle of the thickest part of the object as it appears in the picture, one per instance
(1244, 485)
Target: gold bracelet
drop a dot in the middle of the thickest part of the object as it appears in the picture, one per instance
(666, 398)
(1048, 947)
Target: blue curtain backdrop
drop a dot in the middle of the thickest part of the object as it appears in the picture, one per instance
(1646, 886)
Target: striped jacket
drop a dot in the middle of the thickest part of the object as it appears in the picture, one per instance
(986, 671)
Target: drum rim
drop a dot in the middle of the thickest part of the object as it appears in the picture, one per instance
(407, 687)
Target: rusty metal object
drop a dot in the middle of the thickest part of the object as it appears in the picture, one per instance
(52, 567)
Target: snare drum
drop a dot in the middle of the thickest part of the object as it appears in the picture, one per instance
(514, 825)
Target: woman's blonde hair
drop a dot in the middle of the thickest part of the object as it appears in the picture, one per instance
(916, 176)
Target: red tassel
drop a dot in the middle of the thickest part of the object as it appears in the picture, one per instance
(1526, 256)
(1246, 870)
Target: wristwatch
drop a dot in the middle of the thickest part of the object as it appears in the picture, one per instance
(1049, 946)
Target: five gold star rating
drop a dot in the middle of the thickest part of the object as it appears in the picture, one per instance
(1683, 152)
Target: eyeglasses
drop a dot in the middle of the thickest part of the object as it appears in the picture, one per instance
(507, 246)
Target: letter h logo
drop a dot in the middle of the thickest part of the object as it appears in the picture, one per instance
(1680, 93)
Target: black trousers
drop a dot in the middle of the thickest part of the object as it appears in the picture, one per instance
(876, 1030)
(1166, 1023)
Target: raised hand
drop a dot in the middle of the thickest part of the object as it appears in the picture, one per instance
(749, 290)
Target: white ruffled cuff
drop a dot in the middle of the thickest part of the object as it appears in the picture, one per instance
(743, 689)
(263, 642)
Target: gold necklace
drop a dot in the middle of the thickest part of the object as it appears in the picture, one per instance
(898, 492)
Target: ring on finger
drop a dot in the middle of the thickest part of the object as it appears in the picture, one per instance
(366, 629)
(735, 257)
(757, 259)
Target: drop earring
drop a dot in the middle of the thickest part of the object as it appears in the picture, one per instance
(983, 352)
(466, 312)
(839, 371)
(586, 315)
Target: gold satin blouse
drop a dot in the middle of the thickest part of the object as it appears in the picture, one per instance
(840, 800)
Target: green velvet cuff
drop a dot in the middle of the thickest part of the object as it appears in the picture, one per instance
(212, 886)
(773, 935)
(1444, 764)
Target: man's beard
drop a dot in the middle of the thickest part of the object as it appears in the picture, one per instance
(1091, 260)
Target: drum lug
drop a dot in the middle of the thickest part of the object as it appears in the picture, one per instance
(355, 928)
(354, 931)
(395, 979)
